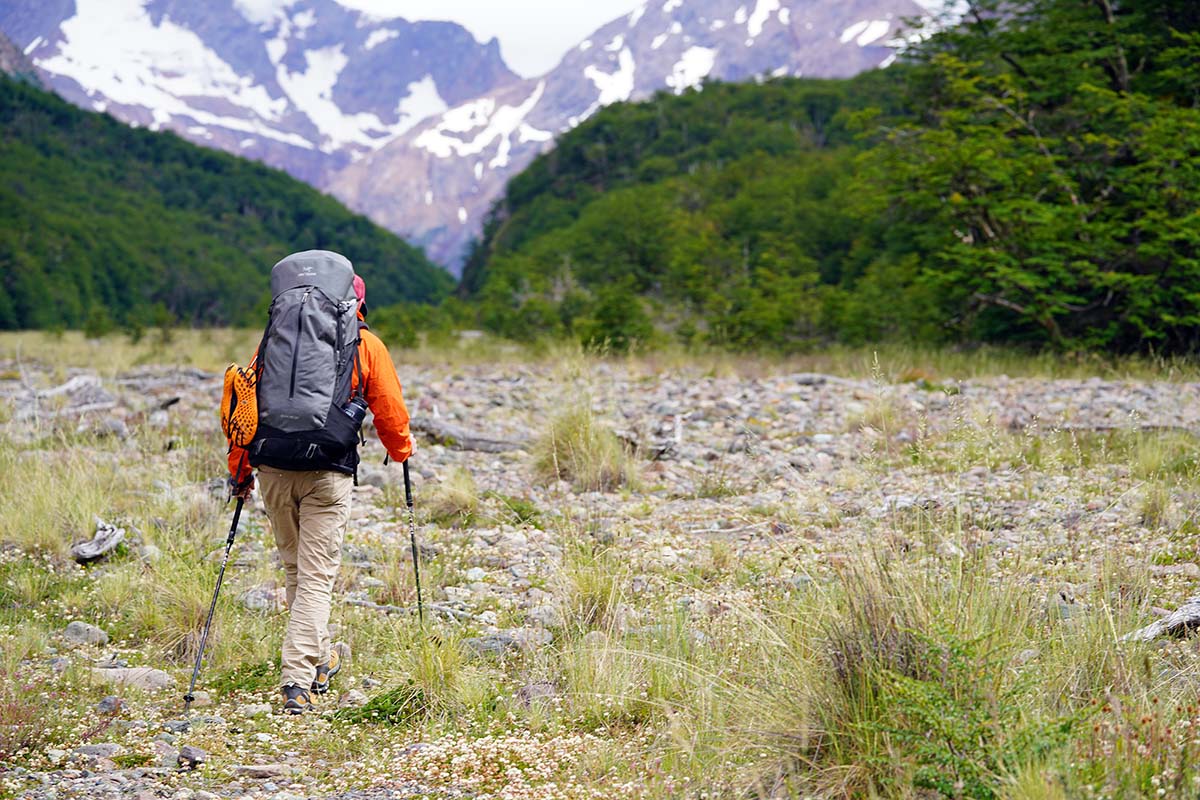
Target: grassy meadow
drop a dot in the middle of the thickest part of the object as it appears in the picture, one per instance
(806, 635)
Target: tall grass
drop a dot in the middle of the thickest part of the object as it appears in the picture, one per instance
(213, 348)
(579, 448)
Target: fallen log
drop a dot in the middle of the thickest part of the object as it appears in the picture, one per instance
(1179, 623)
(458, 438)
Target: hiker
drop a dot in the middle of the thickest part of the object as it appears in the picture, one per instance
(311, 397)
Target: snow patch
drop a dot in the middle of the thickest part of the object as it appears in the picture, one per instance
(691, 68)
(312, 92)
(462, 214)
(887, 62)
(244, 143)
(762, 11)
(421, 101)
(379, 37)
(676, 28)
(659, 41)
(261, 12)
(865, 32)
(33, 45)
(785, 16)
(636, 14)
(717, 25)
(478, 170)
(671, 5)
(616, 44)
(528, 133)
(585, 45)
(157, 67)
(497, 123)
(617, 86)
(428, 197)
(739, 17)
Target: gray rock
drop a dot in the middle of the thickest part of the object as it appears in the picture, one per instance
(262, 770)
(109, 704)
(496, 644)
(531, 693)
(137, 677)
(113, 426)
(252, 710)
(105, 750)
(264, 597)
(201, 699)
(191, 757)
(103, 542)
(545, 615)
(78, 632)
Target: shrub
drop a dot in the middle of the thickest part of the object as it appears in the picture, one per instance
(456, 499)
(581, 449)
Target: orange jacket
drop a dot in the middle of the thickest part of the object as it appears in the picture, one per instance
(384, 397)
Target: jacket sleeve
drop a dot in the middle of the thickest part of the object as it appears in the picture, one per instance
(385, 398)
(239, 464)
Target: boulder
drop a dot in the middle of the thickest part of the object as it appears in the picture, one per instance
(191, 757)
(78, 632)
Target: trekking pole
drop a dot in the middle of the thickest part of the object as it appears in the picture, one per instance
(237, 513)
(412, 538)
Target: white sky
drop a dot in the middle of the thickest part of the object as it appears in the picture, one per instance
(533, 34)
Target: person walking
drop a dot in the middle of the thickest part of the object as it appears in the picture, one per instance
(320, 367)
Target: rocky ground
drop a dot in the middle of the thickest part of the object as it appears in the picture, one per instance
(785, 477)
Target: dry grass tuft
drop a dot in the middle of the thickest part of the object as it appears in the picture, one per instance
(579, 448)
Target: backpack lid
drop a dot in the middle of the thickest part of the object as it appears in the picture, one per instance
(328, 271)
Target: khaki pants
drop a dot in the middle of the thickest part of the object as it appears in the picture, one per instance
(309, 512)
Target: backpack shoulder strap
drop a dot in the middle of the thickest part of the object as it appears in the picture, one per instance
(362, 385)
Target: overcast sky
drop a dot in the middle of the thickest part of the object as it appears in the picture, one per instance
(533, 34)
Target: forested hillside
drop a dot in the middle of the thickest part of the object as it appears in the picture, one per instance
(1028, 177)
(104, 224)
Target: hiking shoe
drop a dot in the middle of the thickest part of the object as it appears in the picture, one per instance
(296, 700)
(326, 671)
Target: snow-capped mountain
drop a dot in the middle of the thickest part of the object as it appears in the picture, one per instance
(416, 124)
(435, 183)
(304, 85)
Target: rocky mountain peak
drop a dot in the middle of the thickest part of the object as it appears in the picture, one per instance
(436, 182)
(305, 85)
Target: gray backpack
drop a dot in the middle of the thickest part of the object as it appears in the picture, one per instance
(306, 417)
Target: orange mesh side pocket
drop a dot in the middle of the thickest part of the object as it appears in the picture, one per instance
(239, 405)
